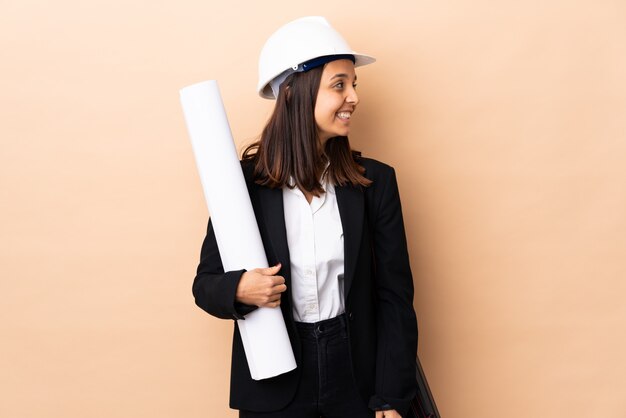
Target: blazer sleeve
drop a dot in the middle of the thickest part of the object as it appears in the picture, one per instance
(213, 289)
(396, 320)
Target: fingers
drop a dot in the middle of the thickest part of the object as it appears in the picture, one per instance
(270, 271)
(276, 283)
(273, 293)
(388, 414)
(269, 301)
(392, 413)
(272, 304)
(261, 287)
(273, 284)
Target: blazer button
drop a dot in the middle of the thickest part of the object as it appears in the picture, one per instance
(350, 316)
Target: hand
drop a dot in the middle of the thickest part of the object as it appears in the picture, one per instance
(388, 414)
(261, 287)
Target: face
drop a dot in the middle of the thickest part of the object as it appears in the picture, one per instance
(336, 99)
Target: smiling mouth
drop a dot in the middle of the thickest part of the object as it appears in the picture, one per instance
(344, 115)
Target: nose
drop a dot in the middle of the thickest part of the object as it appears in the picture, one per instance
(352, 97)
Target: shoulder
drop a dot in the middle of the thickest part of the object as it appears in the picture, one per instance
(375, 170)
(384, 187)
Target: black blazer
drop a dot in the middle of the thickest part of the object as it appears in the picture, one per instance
(378, 294)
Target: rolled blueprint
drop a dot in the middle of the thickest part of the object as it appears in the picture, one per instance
(263, 332)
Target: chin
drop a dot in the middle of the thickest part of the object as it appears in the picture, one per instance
(342, 132)
(329, 135)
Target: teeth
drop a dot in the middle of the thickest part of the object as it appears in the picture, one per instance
(343, 115)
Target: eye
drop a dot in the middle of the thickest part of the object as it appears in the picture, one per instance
(354, 85)
(339, 85)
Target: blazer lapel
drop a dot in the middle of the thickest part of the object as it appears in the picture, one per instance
(272, 226)
(351, 210)
(274, 232)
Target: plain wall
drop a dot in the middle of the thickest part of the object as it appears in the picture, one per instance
(506, 122)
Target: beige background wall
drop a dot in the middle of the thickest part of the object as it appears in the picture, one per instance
(506, 122)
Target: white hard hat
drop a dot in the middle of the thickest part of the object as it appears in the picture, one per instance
(296, 43)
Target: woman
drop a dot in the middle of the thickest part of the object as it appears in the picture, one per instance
(332, 229)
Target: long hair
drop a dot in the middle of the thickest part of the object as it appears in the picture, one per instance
(289, 145)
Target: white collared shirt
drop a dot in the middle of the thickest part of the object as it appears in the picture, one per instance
(315, 239)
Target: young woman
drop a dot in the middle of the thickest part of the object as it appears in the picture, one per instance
(332, 229)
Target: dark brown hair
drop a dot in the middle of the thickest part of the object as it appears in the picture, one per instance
(290, 146)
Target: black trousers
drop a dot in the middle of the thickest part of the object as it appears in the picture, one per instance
(326, 388)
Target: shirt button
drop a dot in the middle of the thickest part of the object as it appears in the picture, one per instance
(308, 273)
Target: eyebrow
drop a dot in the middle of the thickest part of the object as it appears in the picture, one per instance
(341, 75)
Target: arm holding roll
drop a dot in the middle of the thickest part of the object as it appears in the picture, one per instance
(233, 294)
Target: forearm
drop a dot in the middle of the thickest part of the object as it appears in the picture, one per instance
(213, 289)
(215, 294)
